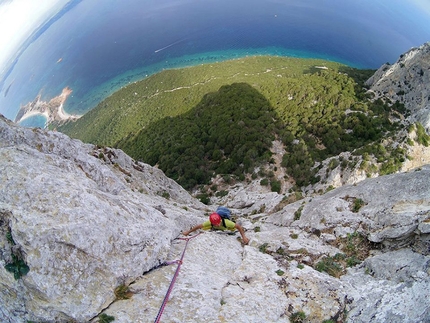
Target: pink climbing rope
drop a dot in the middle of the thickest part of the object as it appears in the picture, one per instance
(179, 262)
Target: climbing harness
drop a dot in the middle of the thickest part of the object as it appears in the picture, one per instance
(179, 262)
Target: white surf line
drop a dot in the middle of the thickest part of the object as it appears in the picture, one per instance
(176, 42)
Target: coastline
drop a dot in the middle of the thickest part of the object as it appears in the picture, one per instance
(52, 110)
(32, 114)
(104, 90)
(63, 107)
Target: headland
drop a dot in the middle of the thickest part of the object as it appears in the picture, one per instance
(52, 110)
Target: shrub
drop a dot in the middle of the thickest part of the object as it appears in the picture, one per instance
(221, 193)
(204, 198)
(123, 292)
(17, 267)
(263, 247)
(303, 251)
(280, 272)
(330, 188)
(333, 164)
(9, 237)
(280, 251)
(298, 213)
(330, 266)
(339, 256)
(357, 205)
(164, 194)
(275, 186)
(356, 246)
(422, 137)
(104, 318)
(298, 317)
(352, 261)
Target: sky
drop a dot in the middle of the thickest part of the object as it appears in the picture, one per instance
(18, 19)
(23, 21)
(423, 4)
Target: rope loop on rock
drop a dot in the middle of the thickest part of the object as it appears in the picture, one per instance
(179, 262)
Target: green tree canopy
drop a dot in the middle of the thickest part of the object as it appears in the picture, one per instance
(228, 132)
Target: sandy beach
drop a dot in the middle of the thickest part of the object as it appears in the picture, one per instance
(52, 111)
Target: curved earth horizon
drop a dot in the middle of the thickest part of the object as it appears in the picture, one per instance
(96, 48)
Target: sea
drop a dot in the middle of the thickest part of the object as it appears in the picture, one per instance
(96, 47)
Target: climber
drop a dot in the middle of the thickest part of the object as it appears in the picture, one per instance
(214, 222)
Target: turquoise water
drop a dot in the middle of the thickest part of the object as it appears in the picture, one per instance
(96, 47)
(38, 121)
(107, 88)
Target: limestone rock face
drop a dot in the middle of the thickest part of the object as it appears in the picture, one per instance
(407, 81)
(397, 282)
(86, 220)
(82, 224)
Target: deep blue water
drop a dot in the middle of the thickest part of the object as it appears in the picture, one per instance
(96, 47)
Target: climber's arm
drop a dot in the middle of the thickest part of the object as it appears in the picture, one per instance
(242, 233)
(197, 227)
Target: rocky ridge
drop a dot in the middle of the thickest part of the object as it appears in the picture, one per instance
(407, 81)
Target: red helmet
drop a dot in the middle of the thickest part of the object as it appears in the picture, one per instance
(215, 219)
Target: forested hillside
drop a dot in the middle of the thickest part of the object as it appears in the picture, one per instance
(221, 118)
(229, 132)
(176, 91)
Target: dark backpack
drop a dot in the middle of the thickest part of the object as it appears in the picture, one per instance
(224, 213)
